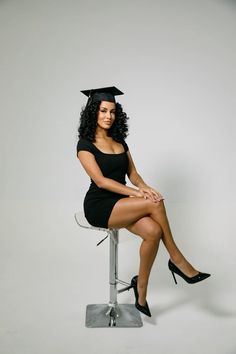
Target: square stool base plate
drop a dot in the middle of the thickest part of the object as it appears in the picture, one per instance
(96, 316)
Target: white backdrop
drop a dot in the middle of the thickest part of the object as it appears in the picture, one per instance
(175, 61)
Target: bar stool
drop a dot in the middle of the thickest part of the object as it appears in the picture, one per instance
(111, 314)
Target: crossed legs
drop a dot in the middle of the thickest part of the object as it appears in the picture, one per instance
(148, 220)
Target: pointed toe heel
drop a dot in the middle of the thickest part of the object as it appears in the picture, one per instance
(191, 280)
(144, 309)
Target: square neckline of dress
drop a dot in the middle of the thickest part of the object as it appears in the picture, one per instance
(107, 153)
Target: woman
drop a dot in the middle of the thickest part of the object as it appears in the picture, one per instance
(109, 203)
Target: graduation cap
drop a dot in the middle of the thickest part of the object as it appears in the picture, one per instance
(102, 94)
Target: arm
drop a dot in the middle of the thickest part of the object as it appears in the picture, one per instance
(136, 179)
(90, 165)
(133, 175)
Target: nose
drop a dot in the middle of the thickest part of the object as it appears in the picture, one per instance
(108, 115)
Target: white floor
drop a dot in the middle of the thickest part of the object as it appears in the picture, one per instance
(50, 270)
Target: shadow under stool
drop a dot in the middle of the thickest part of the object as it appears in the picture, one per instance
(111, 314)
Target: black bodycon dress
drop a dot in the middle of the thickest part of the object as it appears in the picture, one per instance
(99, 202)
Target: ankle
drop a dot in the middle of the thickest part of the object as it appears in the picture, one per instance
(142, 298)
(142, 291)
(177, 258)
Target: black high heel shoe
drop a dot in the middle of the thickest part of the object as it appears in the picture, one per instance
(143, 309)
(191, 280)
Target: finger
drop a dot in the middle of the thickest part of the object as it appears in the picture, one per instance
(154, 199)
(160, 195)
(142, 192)
(149, 197)
(156, 195)
(148, 194)
(152, 196)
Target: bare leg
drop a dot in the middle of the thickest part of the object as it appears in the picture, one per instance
(159, 215)
(151, 234)
(129, 210)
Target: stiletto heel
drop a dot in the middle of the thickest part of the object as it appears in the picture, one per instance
(191, 280)
(174, 276)
(144, 309)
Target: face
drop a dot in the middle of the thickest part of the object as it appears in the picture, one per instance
(106, 114)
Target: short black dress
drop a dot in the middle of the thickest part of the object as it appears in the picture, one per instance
(99, 202)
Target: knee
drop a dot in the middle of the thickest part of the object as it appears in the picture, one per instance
(153, 233)
(158, 206)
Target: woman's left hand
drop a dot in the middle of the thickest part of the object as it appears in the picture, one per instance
(150, 193)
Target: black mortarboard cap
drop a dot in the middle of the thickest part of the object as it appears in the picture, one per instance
(102, 94)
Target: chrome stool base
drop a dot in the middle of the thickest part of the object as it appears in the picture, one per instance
(111, 314)
(121, 315)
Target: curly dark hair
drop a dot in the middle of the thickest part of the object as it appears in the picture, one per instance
(88, 123)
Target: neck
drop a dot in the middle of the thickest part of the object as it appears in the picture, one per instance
(101, 133)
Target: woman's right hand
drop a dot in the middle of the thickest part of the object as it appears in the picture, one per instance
(142, 193)
(138, 194)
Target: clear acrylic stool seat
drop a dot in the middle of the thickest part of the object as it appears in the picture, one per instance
(111, 314)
